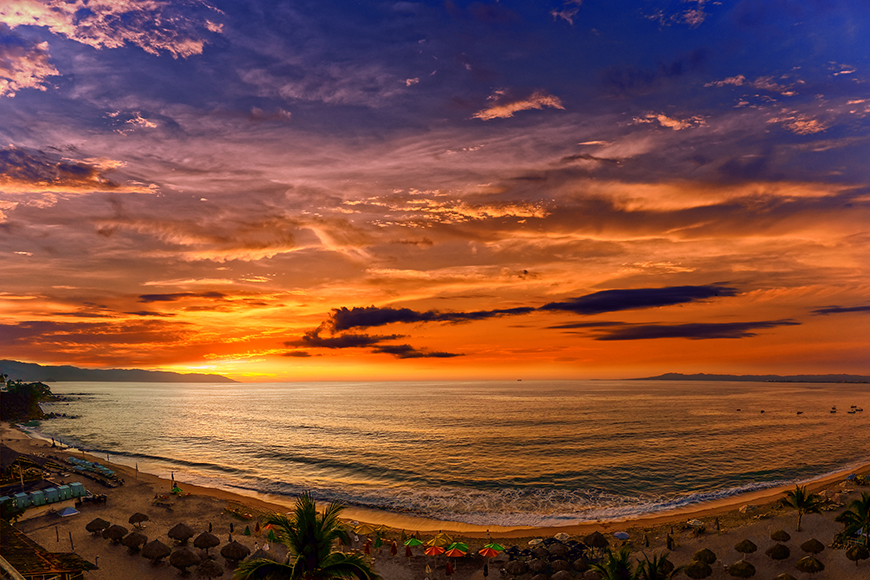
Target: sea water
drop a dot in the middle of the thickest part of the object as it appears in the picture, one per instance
(486, 452)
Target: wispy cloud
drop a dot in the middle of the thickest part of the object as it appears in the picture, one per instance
(692, 331)
(23, 65)
(503, 107)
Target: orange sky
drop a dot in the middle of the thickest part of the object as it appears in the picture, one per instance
(509, 191)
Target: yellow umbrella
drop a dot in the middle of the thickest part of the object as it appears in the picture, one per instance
(364, 529)
(440, 540)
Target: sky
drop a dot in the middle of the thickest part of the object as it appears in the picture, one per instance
(329, 190)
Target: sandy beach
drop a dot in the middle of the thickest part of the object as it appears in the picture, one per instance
(206, 507)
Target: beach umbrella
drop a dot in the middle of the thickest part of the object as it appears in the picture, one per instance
(134, 540)
(621, 535)
(745, 547)
(138, 518)
(778, 552)
(155, 551)
(780, 536)
(857, 552)
(183, 558)
(115, 533)
(461, 545)
(785, 576)
(440, 539)
(180, 532)
(209, 569)
(273, 538)
(454, 553)
(67, 512)
(561, 536)
(813, 546)
(487, 552)
(665, 565)
(364, 529)
(247, 531)
(707, 556)
(538, 566)
(562, 575)
(596, 540)
(411, 542)
(742, 569)
(96, 526)
(495, 546)
(809, 565)
(698, 570)
(433, 550)
(535, 541)
(516, 567)
(235, 552)
(204, 541)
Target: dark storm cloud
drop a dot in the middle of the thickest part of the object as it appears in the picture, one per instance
(573, 325)
(616, 300)
(408, 351)
(150, 313)
(180, 296)
(841, 310)
(296, 354)
(346, 318)
(312, 339)
(693, 331)
(36, 168)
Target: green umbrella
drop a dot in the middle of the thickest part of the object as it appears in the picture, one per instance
(247, 531)
(460, 545)
(494, 546)
(413, 542)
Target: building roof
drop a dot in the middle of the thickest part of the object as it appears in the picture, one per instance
(29, 558)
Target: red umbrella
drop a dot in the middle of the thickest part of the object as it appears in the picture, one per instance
(488, 552)
(433, 550)
(454, 553)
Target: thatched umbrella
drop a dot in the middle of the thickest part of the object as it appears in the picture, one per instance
(809, 565)
(857, 552)
(204, 541)
(813, 546)
(235, 552)
(562, 575)
(155, 551)
(742, 569)
(559, 549)
(666, 566)
(785, 576)
(180, 532)
(183, 558)
(707, 556)
(745, 547)
(698, 570)
(97, 526)
(596, 541)
(209, 569)
(538, 566)
(780, 536)
(516, 567)
(778, 552)
(115, 533)
(540, 577)
(138, 518)
(134, 540)
(580, 564)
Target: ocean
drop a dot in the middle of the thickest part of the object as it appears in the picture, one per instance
(540, 453)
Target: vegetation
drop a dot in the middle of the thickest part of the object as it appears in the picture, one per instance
(309, 537)
(19, 401)
(803, 501)
(657, 568)
(617, 565)
(857, 517)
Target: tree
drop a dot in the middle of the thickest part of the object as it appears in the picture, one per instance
(857, 516)
(309, 538)
(617, 565)
(803, 502)
(657, 568)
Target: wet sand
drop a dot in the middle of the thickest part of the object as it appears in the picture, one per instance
(206, 506)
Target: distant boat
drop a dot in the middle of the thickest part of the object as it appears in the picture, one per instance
(800, 412)
(833, 410)
(860, 410)
(762, 410)
(851, 412)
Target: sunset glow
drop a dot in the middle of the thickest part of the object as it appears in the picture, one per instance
(329, 190)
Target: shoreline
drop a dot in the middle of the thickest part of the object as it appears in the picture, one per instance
(398, 521)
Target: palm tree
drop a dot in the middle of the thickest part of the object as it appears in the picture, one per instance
(803, 502)
(309, 538)
(857, 517)
(657, 568)
(617, 565)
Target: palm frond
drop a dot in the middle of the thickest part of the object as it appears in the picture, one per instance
(263, 569)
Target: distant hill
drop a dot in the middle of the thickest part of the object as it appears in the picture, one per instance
(760, 378)
(34, 372)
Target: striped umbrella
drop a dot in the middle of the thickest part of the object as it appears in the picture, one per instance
(413, 542)
(488, 552)
(458, 545)
(454, 553)
(433, 551)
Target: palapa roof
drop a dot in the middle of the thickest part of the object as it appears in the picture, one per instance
(205, 540)
(210, 569)
(742, 569)
(813, 546)
(745, 547)
(183, 557)
(138, 518)
(180, 532)
(706, 555)
(97, 525)
(778, 552)
(235, 551)
(780, 536)
(115, 533)
(698, 570)
(29, 558)
(134, 540)
(155, 550)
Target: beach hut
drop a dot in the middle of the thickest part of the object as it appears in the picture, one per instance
(77, 489)
(37, 497)
(22, 500)
(63, 492)
(51, 495)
